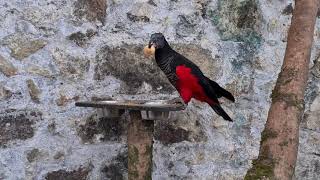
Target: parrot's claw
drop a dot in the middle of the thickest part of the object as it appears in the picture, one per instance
(176, 100)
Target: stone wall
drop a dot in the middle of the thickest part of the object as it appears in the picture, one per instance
(53, 53)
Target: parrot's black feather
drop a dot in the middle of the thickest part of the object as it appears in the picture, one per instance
(220, 92)
(218, 109)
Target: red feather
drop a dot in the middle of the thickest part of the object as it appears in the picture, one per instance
(189, 87)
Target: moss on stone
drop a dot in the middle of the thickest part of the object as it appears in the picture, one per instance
(237, 21)
(214, 17)
(251, 38)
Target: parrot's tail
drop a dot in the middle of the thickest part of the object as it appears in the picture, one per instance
(220, 91)
(218, 109)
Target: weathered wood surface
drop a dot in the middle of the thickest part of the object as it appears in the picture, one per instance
(140, 143)
(152, 105)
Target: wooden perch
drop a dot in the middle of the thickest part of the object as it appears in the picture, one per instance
(140, 128)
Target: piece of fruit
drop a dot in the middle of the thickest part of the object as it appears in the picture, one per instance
(148, 51)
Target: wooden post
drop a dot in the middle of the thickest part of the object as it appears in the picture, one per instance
(140, 132)
(140, 143)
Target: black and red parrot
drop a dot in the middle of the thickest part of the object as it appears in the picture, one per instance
(186, 77)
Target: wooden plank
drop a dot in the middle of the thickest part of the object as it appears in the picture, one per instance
(152, 105)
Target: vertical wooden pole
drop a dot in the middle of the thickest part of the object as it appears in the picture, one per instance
(280, 138)
(140, 143)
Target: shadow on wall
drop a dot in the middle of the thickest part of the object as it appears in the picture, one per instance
(128, 64)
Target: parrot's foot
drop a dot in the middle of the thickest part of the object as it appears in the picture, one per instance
(177, 100)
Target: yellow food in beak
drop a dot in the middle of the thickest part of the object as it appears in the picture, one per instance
(149, 51)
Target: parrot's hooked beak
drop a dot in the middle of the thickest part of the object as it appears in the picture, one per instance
(151, 44)
(149, 50)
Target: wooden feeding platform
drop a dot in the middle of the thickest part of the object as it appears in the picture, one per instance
(140, 128)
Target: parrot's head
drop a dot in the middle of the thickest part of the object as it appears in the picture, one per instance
(157, 40)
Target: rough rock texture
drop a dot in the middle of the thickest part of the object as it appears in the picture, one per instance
(22, 46)
(79, 174)
(5, 94)
(81, 38)
(102, 129)
(17, 125)
(117, 169)
(33, 91)
(81, 50)
(7, 67)
(92, 10)
(128, 64)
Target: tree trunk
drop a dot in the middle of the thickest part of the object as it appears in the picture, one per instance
(280, 138)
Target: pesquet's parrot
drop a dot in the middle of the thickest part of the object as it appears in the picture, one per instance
(186, 77)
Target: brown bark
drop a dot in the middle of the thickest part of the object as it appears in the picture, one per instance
(140, 143)
(280, 138)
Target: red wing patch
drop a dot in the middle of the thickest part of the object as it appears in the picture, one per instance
(189, 87)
